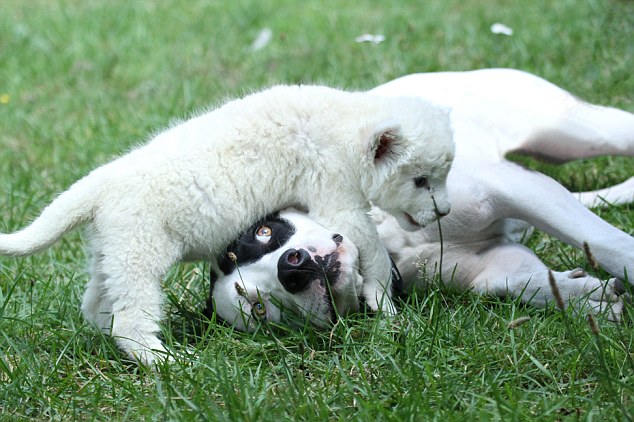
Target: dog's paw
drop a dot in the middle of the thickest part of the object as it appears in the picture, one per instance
(613, 311)
(590, 294)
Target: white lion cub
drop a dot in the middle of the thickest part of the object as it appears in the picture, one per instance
(197, 185)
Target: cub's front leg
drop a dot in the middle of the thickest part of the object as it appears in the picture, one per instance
(374, 261)
(376, 269)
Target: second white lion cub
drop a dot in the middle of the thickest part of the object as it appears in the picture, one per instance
(197, 185)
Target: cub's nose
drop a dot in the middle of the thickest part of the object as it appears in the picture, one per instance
(443, 212)
(337, 238)
(295, 270)
(442, 208)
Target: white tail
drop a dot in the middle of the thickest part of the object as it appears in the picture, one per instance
(69, 210)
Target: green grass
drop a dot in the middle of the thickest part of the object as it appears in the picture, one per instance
(82, 81)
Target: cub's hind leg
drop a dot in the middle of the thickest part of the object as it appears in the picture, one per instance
(96, 307)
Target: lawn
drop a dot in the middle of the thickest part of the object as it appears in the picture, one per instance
(83, 81)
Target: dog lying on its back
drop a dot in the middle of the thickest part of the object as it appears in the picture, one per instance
(196, 186)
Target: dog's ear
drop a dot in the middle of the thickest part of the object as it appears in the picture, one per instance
(386, 144)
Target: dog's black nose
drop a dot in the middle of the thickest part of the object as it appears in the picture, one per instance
(337, 238)
(295, 270)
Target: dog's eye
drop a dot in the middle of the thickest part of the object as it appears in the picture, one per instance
(263, 234)
(421, 182)
(258, 310)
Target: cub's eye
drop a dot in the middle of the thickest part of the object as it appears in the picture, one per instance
(258, 310)
(263, 234)
(421, 182)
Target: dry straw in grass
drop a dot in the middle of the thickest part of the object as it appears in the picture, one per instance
(592, 322)
(556, 293)
(517, 322)
(590, 257)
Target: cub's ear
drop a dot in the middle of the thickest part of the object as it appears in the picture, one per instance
(387, 144)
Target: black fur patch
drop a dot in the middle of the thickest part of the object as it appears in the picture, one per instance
(330, 266)
(247, 249)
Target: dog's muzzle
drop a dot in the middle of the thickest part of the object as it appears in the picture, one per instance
(296, 269)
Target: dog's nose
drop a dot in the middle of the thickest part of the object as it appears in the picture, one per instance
(337, 238)
(295, 270)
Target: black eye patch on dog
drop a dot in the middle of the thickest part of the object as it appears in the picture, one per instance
(248, 249)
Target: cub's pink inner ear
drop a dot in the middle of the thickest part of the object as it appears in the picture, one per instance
(383, 145)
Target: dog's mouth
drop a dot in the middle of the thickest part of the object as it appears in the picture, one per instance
(330, 265)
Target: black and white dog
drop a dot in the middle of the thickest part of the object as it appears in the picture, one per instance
(285, 261)
(288, 261)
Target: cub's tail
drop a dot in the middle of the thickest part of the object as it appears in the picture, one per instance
(69, 210)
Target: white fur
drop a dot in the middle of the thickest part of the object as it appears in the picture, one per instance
(496, 111)
(195, 186)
